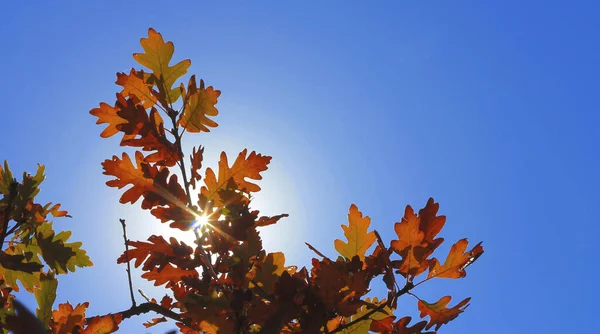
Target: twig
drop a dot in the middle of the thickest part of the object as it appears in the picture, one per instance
(11, 196)
(404, 290)
(133, 304)
(147, 307)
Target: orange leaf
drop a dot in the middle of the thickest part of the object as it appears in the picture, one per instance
(66, 318)
(356, 234)
(243, 167)
(157, 56)
(154, 321)
(199, 104)
(158, 253)
(147, 181)
(135, 85)
(456, 262)
(416, 241)
(169, 274)
(103, 325)
(108, 114)
(439, 314)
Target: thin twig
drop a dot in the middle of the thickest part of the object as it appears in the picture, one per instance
(404, 290)
(11, 196)
(133, 304)
(147, 307)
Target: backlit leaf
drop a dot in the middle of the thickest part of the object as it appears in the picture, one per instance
(45, 296)
(103, 324)
(439, 314)
(359, 240)
(365, 325)
(146, 180)
(157, 56)
(244, 167)
(199, 104)
(67, 318)
(415, 243)
(456, 262)
(135, 85)
(108, 114)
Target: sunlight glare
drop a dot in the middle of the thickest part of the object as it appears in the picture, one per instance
(201, 220)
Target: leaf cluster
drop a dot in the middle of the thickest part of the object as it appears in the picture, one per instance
(225, 282)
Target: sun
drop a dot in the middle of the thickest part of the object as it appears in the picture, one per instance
(201, 221)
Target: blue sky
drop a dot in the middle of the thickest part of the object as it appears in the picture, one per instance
(489, 107)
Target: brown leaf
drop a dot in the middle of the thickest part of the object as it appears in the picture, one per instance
(266, 221)
(401, 327)
(439, 314)
(196, 165)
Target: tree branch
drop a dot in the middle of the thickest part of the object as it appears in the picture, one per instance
(365, 316)
(11, 196)
(133, 304)
(147, 307)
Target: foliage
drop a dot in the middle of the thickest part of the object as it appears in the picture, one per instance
(225, 282)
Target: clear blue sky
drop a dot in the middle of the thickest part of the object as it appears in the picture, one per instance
(489, 107)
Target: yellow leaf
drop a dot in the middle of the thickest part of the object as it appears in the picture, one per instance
(157, 56)
(356, 233)
(199, 103)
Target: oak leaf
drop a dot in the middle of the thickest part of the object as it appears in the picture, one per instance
(359, 240)
(169, 275)
(415, 243)
(364, 326)
(456, 262)
(401, 327)
(108, 114)
(45, 296)
(439, 314)
(199, 103)
(67, 318)
(196, 164)
(103, 324)
(244, 167)
(157, 57)
(134, 84)
(146, 180)
(268, 271)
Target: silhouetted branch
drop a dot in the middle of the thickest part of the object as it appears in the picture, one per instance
(133, 304)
